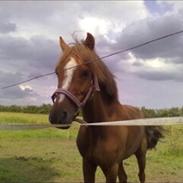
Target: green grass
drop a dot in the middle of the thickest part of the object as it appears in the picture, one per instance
(8, 118)
(50, 155)
(11, 117)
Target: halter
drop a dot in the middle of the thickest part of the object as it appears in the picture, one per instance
(94, 87)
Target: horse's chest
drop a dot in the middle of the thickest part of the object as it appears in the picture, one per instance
(98, 149)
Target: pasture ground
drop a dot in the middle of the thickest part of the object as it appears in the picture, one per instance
(51, 156)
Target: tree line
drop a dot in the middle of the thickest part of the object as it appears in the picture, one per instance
(168, 112)
(45, 108)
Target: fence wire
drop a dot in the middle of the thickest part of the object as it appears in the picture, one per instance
(136, 122)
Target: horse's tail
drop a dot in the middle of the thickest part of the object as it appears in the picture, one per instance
(153, 133)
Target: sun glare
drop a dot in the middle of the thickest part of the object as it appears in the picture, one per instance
(24, 87)
(156, 63)
(94, 25)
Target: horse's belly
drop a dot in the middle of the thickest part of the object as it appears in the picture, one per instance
(134, 140)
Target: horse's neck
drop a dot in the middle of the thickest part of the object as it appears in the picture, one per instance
(96, 109)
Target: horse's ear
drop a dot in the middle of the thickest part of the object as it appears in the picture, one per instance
(89, 41)
(63, 45)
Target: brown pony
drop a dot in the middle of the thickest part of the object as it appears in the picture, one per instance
(84, 82)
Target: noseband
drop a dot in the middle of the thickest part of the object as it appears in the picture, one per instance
(94, 87)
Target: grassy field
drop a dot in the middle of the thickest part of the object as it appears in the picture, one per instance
(51, 156)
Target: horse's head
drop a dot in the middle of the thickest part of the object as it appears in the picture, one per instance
(76, 81)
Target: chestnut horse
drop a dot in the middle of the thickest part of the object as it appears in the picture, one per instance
(84, 82)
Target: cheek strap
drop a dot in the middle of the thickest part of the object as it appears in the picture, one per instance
(73, 98)
(96, 83)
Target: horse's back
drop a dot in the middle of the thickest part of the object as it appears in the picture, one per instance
(131, 112)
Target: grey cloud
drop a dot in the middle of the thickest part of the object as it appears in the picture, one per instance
(150, 28)
(159, 7)
(161, 76)
(52, 17)
(9, 77)
(6, 27)
(150, 93)
(14, 92)
(29, 55)
(27, 10)
(17, 96)
(24, 58)
(157, 74)
(169, 49)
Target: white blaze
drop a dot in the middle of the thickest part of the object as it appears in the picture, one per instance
(69, 69)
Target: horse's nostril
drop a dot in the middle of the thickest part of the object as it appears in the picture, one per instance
(52, 118)
(63, 116)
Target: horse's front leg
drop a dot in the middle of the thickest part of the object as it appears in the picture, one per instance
(89, 169)
(122, 174)
(111, 173)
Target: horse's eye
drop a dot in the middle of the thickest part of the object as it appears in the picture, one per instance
(85, 74)
(56, 72)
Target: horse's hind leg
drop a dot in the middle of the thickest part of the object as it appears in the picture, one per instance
(89, 170)
(122, 174)
(141, 158)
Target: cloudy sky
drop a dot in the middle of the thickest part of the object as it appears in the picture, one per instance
(150, 76)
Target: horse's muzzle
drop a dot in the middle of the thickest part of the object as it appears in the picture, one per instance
(63, 113)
